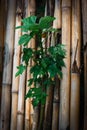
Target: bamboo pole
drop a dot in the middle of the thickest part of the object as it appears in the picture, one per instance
(56, 24)
(7, 70)
(75, 74)
(65, 82)
(55, 119)
(21, 95)
(27, 102)
(2, 29)
(58, 14)
(31, 116)
(16, 62)
(84, 25)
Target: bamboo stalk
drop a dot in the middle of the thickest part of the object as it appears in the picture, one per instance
(55, 118)
(30, 7)
(21, 95)
(7, 70)
(58, 14)
(75, 74)
(16, 62)
(48, 110)
(56, 24)
(84, 25)
(2, 29)
(65, 82)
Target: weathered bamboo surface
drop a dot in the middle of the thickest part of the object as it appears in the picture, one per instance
(2, 30)
(75, 66)
(16, 62)
(7, 69)
(65, 82)
(84, 26)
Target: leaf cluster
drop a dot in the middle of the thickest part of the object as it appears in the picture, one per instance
(48, 62)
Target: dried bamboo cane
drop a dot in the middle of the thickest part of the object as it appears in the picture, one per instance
(56, 24)
(65, 82)
(2, 27)
(27, 102)
(58, 14)
(84, 25)
(16, 62)
(7, 70)
(75, 74)
(21, 94)
(31, 116)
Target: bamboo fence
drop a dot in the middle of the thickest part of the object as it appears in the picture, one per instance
(62, 108)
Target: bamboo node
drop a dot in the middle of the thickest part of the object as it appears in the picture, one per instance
(14, 91)
(20, 113)
(85, 47)
(75, 68)
(19, 12)
(56, 101)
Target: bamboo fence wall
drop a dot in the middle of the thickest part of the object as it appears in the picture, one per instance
(62, 110)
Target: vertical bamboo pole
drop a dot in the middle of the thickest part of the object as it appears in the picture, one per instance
(56, 24)
(58, 14)
(27, 102)
(7, 70)
(75, 74)
(55, 119)
(84, 25)
(2, 27)
(30, 7)
(16, 62)
(49, 10)
(65, 82)
(20, 116)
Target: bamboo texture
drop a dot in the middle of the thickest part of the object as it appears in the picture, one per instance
(61, 111)
(16, 62)
(21, 95)
(7, 69)
(65, 82)
(84, 26)
(58, 14)
(2, 29)
(75, 66)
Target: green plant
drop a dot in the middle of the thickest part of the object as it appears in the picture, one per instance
(48, 62)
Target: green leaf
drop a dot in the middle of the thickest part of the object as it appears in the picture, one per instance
(45, 22)
(30, 81)
(29, 20)
(21, 69)
(27, 54)
(24, 39)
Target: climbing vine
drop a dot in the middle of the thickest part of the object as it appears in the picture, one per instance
(48, 62)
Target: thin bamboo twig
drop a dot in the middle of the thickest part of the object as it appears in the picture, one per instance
(16, 62)
(65, 82)
(75, 74)
(7, 70)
